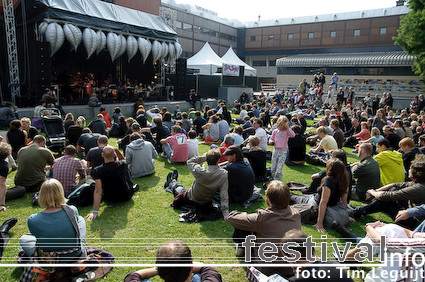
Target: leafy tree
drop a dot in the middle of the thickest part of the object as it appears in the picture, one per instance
(411, 34)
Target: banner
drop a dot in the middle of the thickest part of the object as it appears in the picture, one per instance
(230, 70)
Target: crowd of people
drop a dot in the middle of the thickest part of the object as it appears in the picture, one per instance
(389, 178)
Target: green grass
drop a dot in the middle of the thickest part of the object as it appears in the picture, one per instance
(148, 220)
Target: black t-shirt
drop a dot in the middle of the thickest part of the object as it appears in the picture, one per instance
(73, 133)
(116, 181)
(258, 160)
(4, 169)
(32, 132)
(334, 198)
(296, 148)
(241, 181)
(332, 274)
(161, 133)
(88, 141)
(198, 123)
(409, 157)
(142, 120)
(94, 156)
(394, 139)
(16, 139)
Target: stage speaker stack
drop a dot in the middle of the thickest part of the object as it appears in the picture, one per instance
(180, 86)
(41, 68)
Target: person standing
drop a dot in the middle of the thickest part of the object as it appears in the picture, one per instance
(279, 139)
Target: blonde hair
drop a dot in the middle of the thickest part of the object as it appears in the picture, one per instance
(281, 121)
(81, 121)
(51, 194)
(375, 131)
(27, 120)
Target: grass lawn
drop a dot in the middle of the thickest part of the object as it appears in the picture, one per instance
(132, 231)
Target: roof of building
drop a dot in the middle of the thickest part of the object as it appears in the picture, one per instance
(372, 59)
(391, 11)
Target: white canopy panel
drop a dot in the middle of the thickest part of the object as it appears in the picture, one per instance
(206, 60)
(232, 59)
(114, 13)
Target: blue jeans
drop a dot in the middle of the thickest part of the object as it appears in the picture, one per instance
(289, 163)
(168, 151)
(195, 278)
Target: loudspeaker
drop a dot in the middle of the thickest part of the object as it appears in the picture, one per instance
(180, 86)
(41, 67)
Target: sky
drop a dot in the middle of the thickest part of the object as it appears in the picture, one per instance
(249, 10)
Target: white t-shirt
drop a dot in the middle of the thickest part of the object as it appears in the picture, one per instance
(261, 133)
(193, 148)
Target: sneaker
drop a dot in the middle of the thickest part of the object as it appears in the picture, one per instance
(175, 174)
(136, 188)
(342, 230)
(240, 252)
(355, 151)
(163, 155)
(169, 179)
(8, 224)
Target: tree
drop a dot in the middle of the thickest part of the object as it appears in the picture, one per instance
(411, 34)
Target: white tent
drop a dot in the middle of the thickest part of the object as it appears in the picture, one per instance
(232, 59)
(206, 60)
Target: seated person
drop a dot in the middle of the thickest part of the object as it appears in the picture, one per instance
(334, 189)
(175, 146)
(257, 158)
(296, 148)
(113, 181)
(409, 152)
(52, 229)
(327, 142)
(198, 123)
(208, 181)
(228, 141)
(241, 176)
(140, 156)
(268, 225)
(32, 161)
(159, 132)
(86, 141)
(94, 156)
(337, 134)
(211, 130)
(366, 173)
(237, 134)
(390, 135)
(364, 134)
(98, 125)
(390, 162)
(394, 197)
(65, 170)
(333, 273)
(192, 144)
(175, 252)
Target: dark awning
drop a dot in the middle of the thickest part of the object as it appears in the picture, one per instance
(373, 59)
(104, 16)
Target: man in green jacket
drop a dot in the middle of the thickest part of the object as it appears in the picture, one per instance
(366, 173)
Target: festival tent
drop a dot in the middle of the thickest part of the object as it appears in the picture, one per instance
(206, 61)
(232, 59)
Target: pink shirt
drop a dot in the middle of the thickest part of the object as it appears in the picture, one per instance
(280, 138)
(178, 143)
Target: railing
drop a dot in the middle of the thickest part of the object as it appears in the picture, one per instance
(396, 88)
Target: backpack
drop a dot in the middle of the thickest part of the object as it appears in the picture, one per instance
(83, 195)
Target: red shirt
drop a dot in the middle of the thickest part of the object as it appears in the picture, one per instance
(222, 150)
(178, 143)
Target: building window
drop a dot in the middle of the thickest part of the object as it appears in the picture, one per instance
(290, 36)
(383, 31)
(310, 35)
(272, 63)
(197, 28)
(271, 36)
(259, 63)
(187, 26)
(178, 24)
(252, 38)
(357, 32)
(333, 34)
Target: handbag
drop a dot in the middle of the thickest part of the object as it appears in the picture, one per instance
(338, 212)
